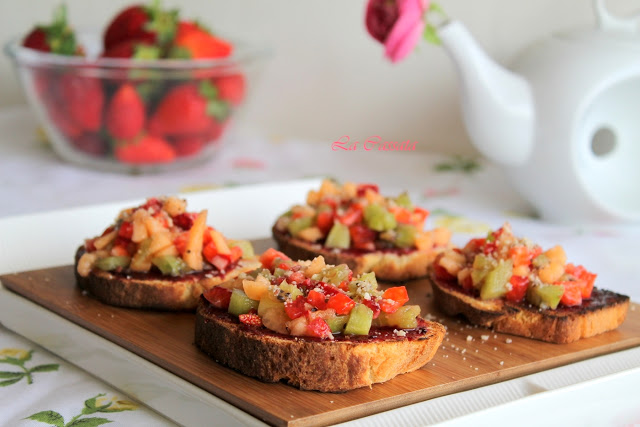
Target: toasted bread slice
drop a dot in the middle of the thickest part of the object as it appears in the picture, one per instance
(604, 311)
(154, 291)
(391, 266)
(309, 363)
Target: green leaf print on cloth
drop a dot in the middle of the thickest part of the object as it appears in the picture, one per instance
(18, 357)
(97, 404)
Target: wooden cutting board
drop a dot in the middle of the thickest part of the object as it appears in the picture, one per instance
(469, 357)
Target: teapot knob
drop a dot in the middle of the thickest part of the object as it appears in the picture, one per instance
(608, 22)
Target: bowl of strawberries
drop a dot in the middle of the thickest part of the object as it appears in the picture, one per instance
(150, 93)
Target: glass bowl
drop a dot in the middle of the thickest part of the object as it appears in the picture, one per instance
(188, 106)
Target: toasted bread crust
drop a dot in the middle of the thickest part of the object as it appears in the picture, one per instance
(388, 266)
(171, 294)
(559, 326)
(310, 364)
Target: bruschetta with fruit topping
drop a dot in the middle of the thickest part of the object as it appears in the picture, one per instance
(159, 256)
(355, 225)
(512, 285)
(313, 325)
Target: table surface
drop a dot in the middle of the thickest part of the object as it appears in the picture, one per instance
(470, 196)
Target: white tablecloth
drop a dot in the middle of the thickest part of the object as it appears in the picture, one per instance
(468, 195)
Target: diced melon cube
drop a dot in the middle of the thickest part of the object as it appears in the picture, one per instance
(175, 206)
(256, 289)
(103, 241)
(193, 249)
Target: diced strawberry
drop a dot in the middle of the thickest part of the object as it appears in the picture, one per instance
(221, 262)
(125, 113)
(147, 149)
(352, 216)
(180, 242)
(319, 328)
(419, 216)
(231, 88)
(362, 237)
(572, 292)
(519, 285)
(295, 308)
(218, 297)
(324, 220)
(250, 319)
(236, 254)
(126, 230)
(402, 215)
(362, 189)
(270, 255)
(296, 277)
(579, 272)
(317, 299)
(393, 298)
(341, 303)
(185, 220)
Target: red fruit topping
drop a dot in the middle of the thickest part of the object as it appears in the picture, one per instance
(251, 319)
(218, 297)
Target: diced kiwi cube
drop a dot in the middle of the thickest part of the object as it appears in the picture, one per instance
(405, 236)
(545, 296)
(406, 317)
(338, 237)
(299, 224)
(337, 323)
(404, 200)
(240, 303)
(482, 264)
(540, 261)
(245, 245)
(268, 302)
(112, 262)
(170, 265)
(291, 290)
(334, 275)
(359, 322)
(379, 218)
(495, 284)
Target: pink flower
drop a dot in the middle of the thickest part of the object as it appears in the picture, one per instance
(398, 24)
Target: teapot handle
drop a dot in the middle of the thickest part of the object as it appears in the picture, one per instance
(608, 22)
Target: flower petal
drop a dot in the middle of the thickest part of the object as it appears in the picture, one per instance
(407, 30)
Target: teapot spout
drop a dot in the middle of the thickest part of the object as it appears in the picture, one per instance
(497, 104)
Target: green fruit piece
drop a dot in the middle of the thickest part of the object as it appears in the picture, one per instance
(495, 284)
(245, 245)
(545, 296)
(269, 302)
(338, 237)
(378, 218)
(406, 317)
(112, 262)
(299, 224)
(481, 267)
(404, 200)
(170, 265)
(337, 323)
(240, 303)
(540, 261)
(405, 236)
(359, 322)
(334, 275)
(366, 281)
(291, 291)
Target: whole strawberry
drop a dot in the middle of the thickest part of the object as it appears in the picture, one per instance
(146, 149)
(194, 41)
(125, 117)
(83, 98)
(188, 109)
(57, 37)
(145, 24)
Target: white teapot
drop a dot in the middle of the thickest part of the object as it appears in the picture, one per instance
(564, 121)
